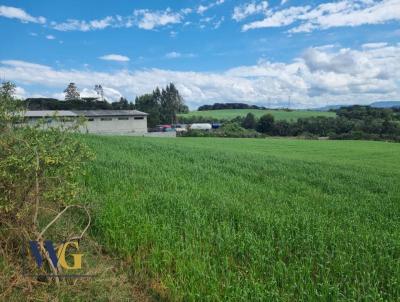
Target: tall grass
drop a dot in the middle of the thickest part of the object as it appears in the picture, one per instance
(251, 220)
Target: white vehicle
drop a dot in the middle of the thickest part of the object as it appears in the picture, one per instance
(202, 126)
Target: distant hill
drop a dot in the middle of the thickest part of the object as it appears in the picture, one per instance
(222, 106)
(383, 104)
(387, 104)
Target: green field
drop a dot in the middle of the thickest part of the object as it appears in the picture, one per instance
(278, 114)
(250, 220)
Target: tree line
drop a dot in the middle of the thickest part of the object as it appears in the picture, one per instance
(89, 103)
(220, 106)
(162, 105)
(354, 122)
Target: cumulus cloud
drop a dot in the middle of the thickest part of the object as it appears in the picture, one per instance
(110, 94)
(243, 11)
(20, 93)
(20, 14)
(331, 14)
(320, 76)
(50, 37)
(115, 57)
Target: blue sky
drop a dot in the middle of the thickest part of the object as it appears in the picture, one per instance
(261, 52)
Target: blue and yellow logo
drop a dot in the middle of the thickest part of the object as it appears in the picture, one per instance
(57, 256)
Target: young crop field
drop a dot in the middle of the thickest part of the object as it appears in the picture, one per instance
(278, 114)
(250, 220)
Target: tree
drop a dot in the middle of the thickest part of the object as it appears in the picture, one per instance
(183, 109)
(249, 121)
(171, 103)
(99, 90)
(282, 128)
(122, 104)
(7, 89)
(71, 92)
(265, 124)
(150, 103)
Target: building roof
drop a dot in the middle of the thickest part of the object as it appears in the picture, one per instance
(87, 113)
(43, 113)
(93, 113)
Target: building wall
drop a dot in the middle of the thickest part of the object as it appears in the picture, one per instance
(109, 124)
(115, 124)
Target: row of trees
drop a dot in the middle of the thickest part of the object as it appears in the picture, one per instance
(355, 122)
(219, 106)
(162, 105)
(76, 104)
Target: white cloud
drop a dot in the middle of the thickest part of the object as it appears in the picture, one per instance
(321, 76)
(175, 55)
(332, 14)
(243, 11)
(374, 45)
(110, 94)
(20, 14)
(280, 18)
(218, 23)
(150, 19)
(186, 11)
(20, 93)
(115, 57)
(142, 18)
(81, 25)
(203, 8)
(50, 37)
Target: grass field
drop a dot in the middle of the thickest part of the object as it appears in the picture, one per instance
(278, 114)
(251, 220)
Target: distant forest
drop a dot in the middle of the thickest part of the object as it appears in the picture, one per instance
(220, 106)
(352, 122)
(76, 104)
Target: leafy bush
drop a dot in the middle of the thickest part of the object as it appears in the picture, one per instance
(39, 166)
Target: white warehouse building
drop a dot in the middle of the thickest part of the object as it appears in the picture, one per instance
(98, 121)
